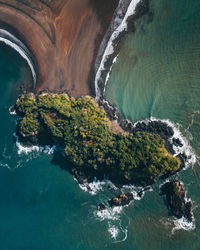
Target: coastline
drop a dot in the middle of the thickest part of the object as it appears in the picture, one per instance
(125, 13)
(10, 40)
(129, 11)
(63, 36)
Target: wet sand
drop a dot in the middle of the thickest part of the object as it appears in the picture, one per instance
(64, 37)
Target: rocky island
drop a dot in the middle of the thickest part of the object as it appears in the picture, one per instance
(91, 144)
(174, 194)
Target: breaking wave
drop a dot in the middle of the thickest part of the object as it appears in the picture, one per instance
(109, 50)
(10, 40)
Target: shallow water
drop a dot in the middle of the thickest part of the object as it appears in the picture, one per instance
(157, 74)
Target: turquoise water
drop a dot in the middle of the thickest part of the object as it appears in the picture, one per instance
(156, 74)
(42, 206)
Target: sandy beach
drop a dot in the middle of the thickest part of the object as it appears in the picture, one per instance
(64, 37)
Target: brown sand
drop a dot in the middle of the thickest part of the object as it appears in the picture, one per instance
(63, 35)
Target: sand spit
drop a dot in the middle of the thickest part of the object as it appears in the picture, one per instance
(64, 37)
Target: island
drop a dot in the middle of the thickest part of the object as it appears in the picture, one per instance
(93, 145)
(175, 197)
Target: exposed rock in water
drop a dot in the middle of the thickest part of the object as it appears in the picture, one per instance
(140, 193)
(174, 193)
(177, 142)
(121, 200)
(157, 127)
(101, 206)
(79, 175)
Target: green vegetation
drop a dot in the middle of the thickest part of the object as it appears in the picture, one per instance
(176, 188)
(83, 128)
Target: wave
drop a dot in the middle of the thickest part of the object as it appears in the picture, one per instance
(108, 75)
(12, 112)
(94, 187)
(112, 215)
(183, 224)
(114, 231)
(109, 50)
(6, 165)
(17, 45)
(26, 150)
(109, 214)
(186, 148)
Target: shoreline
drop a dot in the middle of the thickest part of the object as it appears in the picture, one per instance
(63, 36)
(170, 136)
(132, 10)
(10, 40)
(126, 12)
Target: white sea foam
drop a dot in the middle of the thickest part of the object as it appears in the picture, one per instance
(26, 150)
(113, 217)
(4, 165)
(17, 45)
(110, 47)
(114, 231)
(183, 224)
(108, 75)
(136, 189)
(12, 112)
(92, 187)
(96, 186)
(109, 214)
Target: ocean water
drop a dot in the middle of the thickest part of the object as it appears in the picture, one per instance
(157, 74)
(41, 205)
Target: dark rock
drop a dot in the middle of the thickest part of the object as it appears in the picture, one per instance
(169, 147)
(188, 211)
(12, 108)
(140, 193)
(176, 200)
(79, 175)
(101, 206)
(156, 127)
(177, 142)
(121, 200)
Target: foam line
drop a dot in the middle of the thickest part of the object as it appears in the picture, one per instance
(17, 45)
(110, 47)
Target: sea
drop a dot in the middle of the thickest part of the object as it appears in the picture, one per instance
(156, 76)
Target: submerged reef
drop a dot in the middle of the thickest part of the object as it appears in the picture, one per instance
(91, 145)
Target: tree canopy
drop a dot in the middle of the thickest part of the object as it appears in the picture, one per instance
(84, 130)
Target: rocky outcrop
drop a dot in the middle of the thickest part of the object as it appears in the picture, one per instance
(174, 194)
(101, 206)
(121, 200)
(157, 127)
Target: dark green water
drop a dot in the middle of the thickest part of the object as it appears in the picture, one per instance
(157, 74)
(41, 206)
